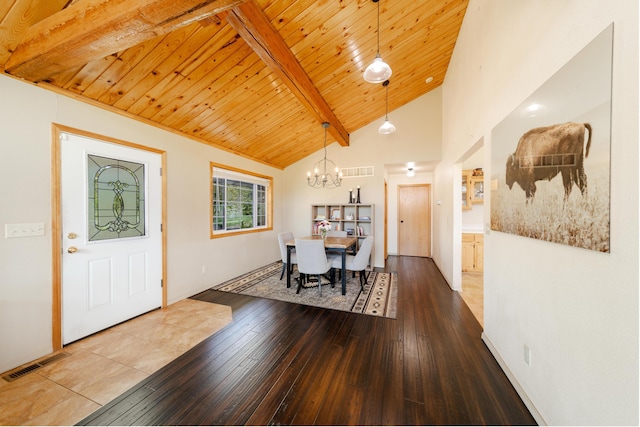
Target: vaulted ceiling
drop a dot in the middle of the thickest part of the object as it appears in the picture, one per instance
(254, 77)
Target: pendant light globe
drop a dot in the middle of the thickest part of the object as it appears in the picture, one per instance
(378, 71)
(386, 127)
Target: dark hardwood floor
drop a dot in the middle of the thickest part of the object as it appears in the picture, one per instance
(281, 363)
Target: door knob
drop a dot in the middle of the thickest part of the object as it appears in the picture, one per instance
(72, 236)
(72, 249)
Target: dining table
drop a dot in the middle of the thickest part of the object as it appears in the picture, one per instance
(331, 244)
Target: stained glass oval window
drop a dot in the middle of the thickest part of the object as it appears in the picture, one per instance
(116, 198)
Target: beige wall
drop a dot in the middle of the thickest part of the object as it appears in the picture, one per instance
(577, 310)
(27, 113)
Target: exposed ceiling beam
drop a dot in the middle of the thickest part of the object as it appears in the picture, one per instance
(19, 17)
(93, 29)
(256, 30)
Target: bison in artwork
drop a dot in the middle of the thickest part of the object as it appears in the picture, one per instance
(544, 152)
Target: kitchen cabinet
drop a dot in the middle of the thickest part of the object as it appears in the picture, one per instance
(472, 252)
(472, 189)
(466, 194)
(476, 184)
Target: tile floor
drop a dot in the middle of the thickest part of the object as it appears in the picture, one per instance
(103, 366)
(473, 294)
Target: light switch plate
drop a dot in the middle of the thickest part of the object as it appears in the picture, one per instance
(24, 230)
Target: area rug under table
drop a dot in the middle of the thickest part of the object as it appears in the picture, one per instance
(379, 297)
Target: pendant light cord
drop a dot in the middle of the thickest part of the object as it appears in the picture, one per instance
(378, 52)
(386, 99)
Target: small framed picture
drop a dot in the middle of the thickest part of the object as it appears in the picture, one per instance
(335, 214)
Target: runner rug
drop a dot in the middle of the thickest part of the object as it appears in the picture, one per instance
(379, 297)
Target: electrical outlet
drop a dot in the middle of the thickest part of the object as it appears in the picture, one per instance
(24, 230)
(527, 355)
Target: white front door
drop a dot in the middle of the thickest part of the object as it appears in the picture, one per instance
(111, 198)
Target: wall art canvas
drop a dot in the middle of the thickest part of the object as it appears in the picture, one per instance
(550, 158)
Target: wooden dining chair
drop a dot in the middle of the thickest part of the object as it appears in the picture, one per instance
(359, 261)
(312, 261)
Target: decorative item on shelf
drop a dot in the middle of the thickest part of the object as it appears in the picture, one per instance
(387, 127)
(478, 172)
(324, 179)
(323, 227)
(350, 195)
(358, 196)
(378, 71)
(350, 217)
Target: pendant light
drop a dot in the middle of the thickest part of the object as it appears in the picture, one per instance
(387, 126)
(321, 178)
(378, 71)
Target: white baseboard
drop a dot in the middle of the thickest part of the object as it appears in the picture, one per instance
(516, 385)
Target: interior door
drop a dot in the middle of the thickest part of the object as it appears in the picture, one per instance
(111, 198)
(414, 220)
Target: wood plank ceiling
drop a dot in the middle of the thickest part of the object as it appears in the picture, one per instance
(254, 77)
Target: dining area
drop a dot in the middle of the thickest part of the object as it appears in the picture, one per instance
(317, 257)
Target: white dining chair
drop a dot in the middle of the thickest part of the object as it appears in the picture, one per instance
(359, 261)
(283, 238)
(313, 261)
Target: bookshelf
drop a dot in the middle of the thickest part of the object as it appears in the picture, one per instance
(356, 219)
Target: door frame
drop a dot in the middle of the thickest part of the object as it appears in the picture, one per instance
(386, 215)
(56, 220)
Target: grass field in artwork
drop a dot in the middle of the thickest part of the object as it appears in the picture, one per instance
(581, 221)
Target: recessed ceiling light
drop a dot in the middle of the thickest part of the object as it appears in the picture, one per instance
(534, 110)
(429, 80)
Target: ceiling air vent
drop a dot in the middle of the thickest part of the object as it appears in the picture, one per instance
(359, 171)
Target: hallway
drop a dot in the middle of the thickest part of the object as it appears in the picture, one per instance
(473, 294)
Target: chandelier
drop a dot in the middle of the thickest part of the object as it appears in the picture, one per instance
(321, 178)
(378, 71)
